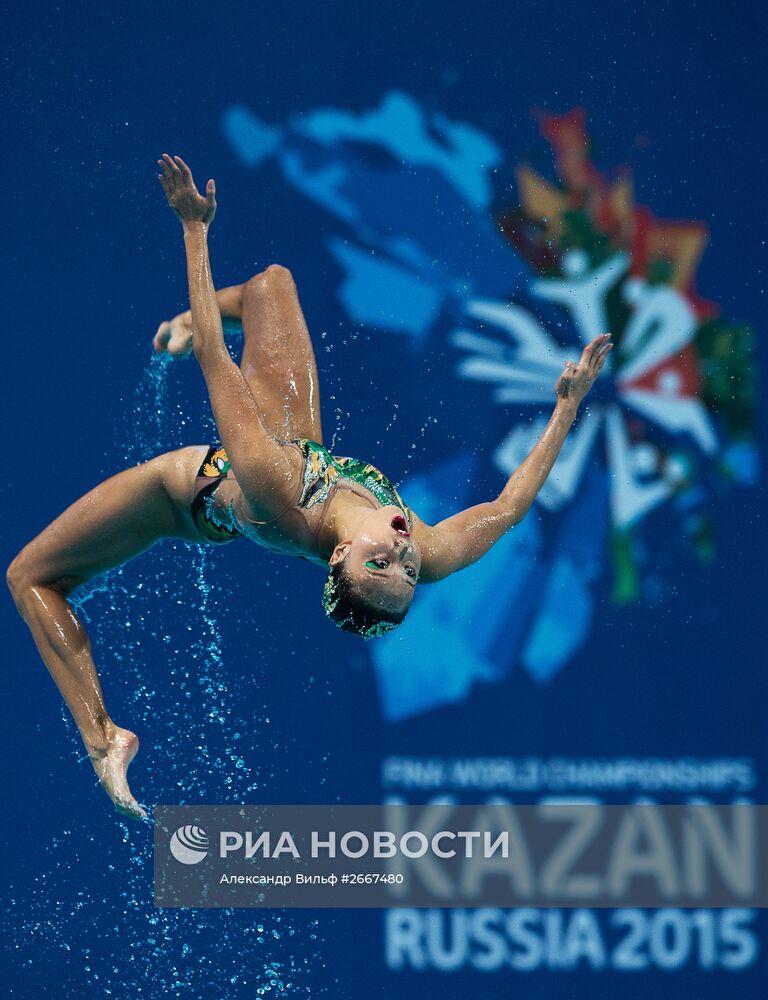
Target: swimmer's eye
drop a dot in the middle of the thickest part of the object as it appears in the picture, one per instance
(377, 563)
(410, 571)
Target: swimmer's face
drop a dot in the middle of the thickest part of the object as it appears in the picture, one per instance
(382, 559)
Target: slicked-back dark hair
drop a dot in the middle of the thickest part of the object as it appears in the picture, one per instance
(351, 612)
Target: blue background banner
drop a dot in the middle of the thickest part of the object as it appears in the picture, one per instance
(464, 198)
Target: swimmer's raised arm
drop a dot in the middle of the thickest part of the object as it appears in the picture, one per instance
(461, 540)
(261, 465)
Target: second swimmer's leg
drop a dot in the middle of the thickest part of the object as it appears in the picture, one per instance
(278, 359)
(108, 526)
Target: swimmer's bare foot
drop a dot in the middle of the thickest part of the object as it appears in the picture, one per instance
(174, 337)
(111, 766)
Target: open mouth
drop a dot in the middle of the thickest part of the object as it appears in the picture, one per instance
(400, 526)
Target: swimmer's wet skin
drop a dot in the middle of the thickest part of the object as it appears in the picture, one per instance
(269, 480)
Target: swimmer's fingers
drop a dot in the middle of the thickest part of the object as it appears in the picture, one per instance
(170, 168)
(577, 379)
(182, 194)
(189, 181)
(168, 176)
(592, 351)
(600, 353)
(171, 195)
(186, 173)
(600, 357)
(593, 358)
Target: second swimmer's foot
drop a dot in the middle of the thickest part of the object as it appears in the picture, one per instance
(174, 337)
(111, 766)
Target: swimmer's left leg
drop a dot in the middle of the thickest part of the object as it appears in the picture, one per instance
(278, 359)
(108, 526)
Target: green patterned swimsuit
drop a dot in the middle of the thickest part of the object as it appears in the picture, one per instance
(321, 472)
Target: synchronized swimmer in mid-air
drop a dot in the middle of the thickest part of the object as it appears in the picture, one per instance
(270, 480)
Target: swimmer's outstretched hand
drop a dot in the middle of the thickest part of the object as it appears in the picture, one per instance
(577, 379)
(183, 197)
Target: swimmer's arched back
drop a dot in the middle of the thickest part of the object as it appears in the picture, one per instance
(269, 479)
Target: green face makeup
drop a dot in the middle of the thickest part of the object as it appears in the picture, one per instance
(374, 564)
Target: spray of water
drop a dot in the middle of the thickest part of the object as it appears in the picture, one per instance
(156, 627)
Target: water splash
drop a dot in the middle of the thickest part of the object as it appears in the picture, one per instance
(156, 626)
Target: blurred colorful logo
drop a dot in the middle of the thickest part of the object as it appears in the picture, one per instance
(514, 292)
